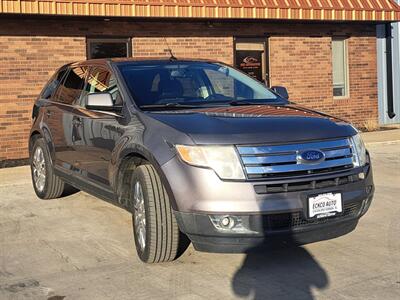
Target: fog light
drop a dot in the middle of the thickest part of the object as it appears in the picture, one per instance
(361, 176)
(227, 222)
(231, 224)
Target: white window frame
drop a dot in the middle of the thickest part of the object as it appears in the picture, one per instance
(346, 71)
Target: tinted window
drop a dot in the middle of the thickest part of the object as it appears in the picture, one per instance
(71, 88)
(104, 48)
(52, 85)
(191, 82)
(101, 80)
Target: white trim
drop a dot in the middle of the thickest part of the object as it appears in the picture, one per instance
(346, 71)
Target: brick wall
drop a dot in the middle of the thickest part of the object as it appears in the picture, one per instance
(300, 59)
(362, 104)
(218, 48)
(26, 64)
(304, 66)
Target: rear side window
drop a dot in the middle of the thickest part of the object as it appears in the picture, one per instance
(53, 83)
(71, 88)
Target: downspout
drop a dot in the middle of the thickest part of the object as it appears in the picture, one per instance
(389, 71)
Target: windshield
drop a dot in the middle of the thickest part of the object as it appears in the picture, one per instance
(191, 83)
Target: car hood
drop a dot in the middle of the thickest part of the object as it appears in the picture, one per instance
(254, 124)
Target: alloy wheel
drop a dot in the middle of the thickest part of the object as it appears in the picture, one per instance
(39, 169)
(139, 215)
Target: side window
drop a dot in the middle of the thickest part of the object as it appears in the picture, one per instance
(101, 80)
(71, 88)
(52, 84)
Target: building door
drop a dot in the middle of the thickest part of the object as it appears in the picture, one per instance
(251, 57)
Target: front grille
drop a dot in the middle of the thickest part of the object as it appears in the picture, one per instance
(271, 161)
(287, 221)
(304, 185)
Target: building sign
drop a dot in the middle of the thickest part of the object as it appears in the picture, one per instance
(250, 62)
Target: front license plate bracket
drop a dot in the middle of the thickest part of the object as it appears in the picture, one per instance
(324, 205)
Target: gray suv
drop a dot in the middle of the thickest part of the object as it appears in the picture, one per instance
(198, 152)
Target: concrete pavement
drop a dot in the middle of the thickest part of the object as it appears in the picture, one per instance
(79, 247)
(381, 137)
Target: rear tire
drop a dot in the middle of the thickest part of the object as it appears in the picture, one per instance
(46, 184)
(156, 232)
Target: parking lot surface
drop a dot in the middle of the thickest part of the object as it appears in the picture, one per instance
(79, 247)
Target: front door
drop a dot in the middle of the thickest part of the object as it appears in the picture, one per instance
(251, 57)
(98, 131)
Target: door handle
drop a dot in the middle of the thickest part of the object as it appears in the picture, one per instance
(76, 121)
(48, 113)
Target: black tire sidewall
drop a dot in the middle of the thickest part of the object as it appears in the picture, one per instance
(139, 176)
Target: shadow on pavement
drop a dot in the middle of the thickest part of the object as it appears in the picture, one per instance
(281, 272)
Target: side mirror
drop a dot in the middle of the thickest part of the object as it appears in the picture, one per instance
(281, 91)
(100, 101)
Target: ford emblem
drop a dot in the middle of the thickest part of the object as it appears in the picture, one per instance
(310, 157)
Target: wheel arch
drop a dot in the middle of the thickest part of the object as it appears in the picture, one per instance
(43, 132)
(34, 135)
(127, 163)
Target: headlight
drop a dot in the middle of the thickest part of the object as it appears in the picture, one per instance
(222, 159)
(360, 157)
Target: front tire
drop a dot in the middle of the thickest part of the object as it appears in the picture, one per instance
(156, 232)
(46, 184)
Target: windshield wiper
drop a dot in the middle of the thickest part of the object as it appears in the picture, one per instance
(167, 106)
(245, 102)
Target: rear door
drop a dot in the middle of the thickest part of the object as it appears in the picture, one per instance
(60, 118)
(98, 131)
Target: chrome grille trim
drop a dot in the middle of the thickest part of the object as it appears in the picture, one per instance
(274, 159)
(331, 144)
(299, 167)
(278, 160)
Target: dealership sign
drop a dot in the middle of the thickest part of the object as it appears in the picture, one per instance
(250, 62)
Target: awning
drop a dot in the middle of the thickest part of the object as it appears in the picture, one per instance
(319, 10)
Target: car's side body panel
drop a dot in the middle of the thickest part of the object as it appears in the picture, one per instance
(100, 141)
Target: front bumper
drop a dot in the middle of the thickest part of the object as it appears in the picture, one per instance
(209, 241)
(199, 194)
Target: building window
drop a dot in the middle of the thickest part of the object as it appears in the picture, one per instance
(105, 48)
(340, 68)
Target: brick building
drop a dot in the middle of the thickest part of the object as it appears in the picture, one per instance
(323, 51)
